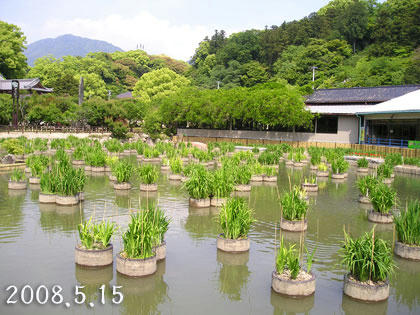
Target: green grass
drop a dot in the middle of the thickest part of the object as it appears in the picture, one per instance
(96, 236)
(367, 257)
(293, 204)
(407, 224)
(235, 219)
(383, 198)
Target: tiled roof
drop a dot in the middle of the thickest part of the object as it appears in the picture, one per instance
(338, 109)
(359, 95)
(24, 84)
(125, 95)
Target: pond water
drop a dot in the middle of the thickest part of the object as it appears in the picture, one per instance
(37, 247)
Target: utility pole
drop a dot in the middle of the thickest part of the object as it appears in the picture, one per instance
(313, 76)
(15, 95)
(218, 84)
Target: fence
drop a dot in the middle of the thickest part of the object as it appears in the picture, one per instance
(387, 142)
(381, 150)
(51, 129)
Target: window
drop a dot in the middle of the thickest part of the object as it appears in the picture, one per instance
(327, 124)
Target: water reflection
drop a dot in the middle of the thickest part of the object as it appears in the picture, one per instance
(356, 307)
(92, 279)
(201, 223)
(403, 284)
(11, 214)
(233, 274)
(289, 305)
(143, 295)
(54, 218)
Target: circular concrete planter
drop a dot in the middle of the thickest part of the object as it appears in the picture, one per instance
(107, 169)
(199, 203)
(93, 257)
(112, 178)
(241, 187)
(270, 179)
(313, 168)
(364, 199)
(184, 179)
(217, 202)
(148, 187)
(338, 175)
(78, 162)
(67, 200)
(139, 157)
(233, 246)
(257, 178)
(47, 198)
(161, 251)
(322, 173)
(136, 267)
(378, 217)
(88, 168)
(122, 186)
(34, 180)
(363, 169)
(165, 168)
(175, 177)
(298, 164)
(289, 163)
(185, 160)
(27, 169)
(309, 187)
(293, 287)
(16, 185)
(366, 292)
(98, 169)
(294, 226)
(411, 252)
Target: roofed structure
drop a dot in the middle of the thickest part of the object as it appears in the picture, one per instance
(358, 95)
(31, 85)
(125, 95)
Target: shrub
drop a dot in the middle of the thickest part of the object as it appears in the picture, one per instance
(363, 163)
(17, 175)
(235, 218)
(96, 236)
(407, 224)
(294, 205)
(123, 171)
(199, 184)
(13, 146)
(383, 198)
(367, 257)
(118, 130)
(148, 173)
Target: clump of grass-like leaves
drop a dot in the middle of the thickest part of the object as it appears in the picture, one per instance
(235, 219)
(18, 175)
(221, 184)
(123, 171)
(160, 223)
(288, 260)
(322, 167)
(407, 224)
(383, 198)
(70, 181)
(385, 170)
(199, 184)
(362, 163)
(366, 184)
(49, 183)
(148, 173)
(176, 165)
(138, 239)
(242, 175)
(96, 235)
(315, 158)
(339, 165)
(294, 205)
(38, 165)
(367, 257)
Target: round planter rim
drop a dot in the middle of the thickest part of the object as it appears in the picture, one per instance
(365, 285)
(77, 247)
(136, 259)
(221, 236)
(276, 275)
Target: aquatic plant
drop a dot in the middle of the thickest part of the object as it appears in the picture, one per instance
(269, 170)
(70, 181)
(383, 198)
(123, 171)
(199, 184)
(366, 184)
(235, 218)
(138, 239)
(176, 165)
(363, 163)
(339, 165)
(315, 158)
(385, 170)
(113, 145)
(17, 175)
(322, 167)
(148, 173)
(407, 224)
(367, 257)
(242, 175)
(49, 183)
(221, 184)
(96, 235)
(294, 205)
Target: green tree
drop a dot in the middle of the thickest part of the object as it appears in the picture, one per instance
(254, 73)
(12, 43)
(158, 83)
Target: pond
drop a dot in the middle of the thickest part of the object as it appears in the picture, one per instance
(37, 247)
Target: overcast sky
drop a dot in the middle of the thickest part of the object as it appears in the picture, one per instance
(171, 27)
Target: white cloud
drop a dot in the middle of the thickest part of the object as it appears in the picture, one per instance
(157, 35)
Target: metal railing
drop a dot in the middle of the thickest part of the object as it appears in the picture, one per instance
(402, 143)
(51, 129)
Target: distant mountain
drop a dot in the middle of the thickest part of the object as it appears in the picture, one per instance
(65, 45)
